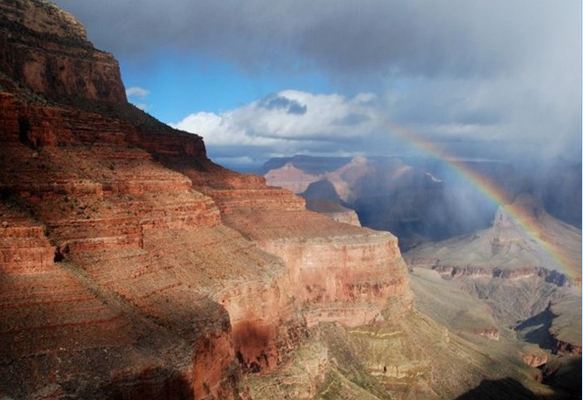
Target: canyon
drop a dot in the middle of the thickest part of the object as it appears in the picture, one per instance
(133, 267)
(497, 282)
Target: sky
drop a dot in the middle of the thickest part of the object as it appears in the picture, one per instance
(262, 78)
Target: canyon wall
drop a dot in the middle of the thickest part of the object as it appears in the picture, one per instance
(47, 49)
(133, 266)
(338, 271)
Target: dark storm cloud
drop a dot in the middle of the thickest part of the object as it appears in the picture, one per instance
(477, 69)
(419, 37)
(275, 102)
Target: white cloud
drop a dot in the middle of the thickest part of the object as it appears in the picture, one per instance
(272, 122)
(136, 91)
(462, 115)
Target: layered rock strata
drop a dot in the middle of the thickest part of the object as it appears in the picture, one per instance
(46, 49)
(133, 266)
(338, 271)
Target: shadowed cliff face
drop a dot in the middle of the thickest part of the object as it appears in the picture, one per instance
(422, 199)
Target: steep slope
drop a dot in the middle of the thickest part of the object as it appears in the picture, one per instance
(503, 267)
(118, 278)
(139, 238)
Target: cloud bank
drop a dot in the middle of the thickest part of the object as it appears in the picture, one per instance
(419, 37)
(289, 122)
(485, 70)
(295, 122)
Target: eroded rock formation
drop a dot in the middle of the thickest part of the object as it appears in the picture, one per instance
(524, 284)
(46, 49)
(133, 266)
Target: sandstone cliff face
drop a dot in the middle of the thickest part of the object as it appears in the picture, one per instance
(131, 265)
(47, 49)
(139, 232)
(346, 278)
(339, 272)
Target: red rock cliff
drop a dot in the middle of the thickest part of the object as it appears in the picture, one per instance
(133, 266)
(47, 49)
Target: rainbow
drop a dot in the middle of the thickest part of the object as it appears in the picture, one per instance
(522, 217)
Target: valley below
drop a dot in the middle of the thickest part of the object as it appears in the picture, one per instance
(496, 286)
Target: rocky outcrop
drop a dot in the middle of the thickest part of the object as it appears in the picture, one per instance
(300, 377)
(38, 125)
(46, 49)
(24, 246)
(451, 272)
(339, 272)
(290, 177)
(491, 333)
